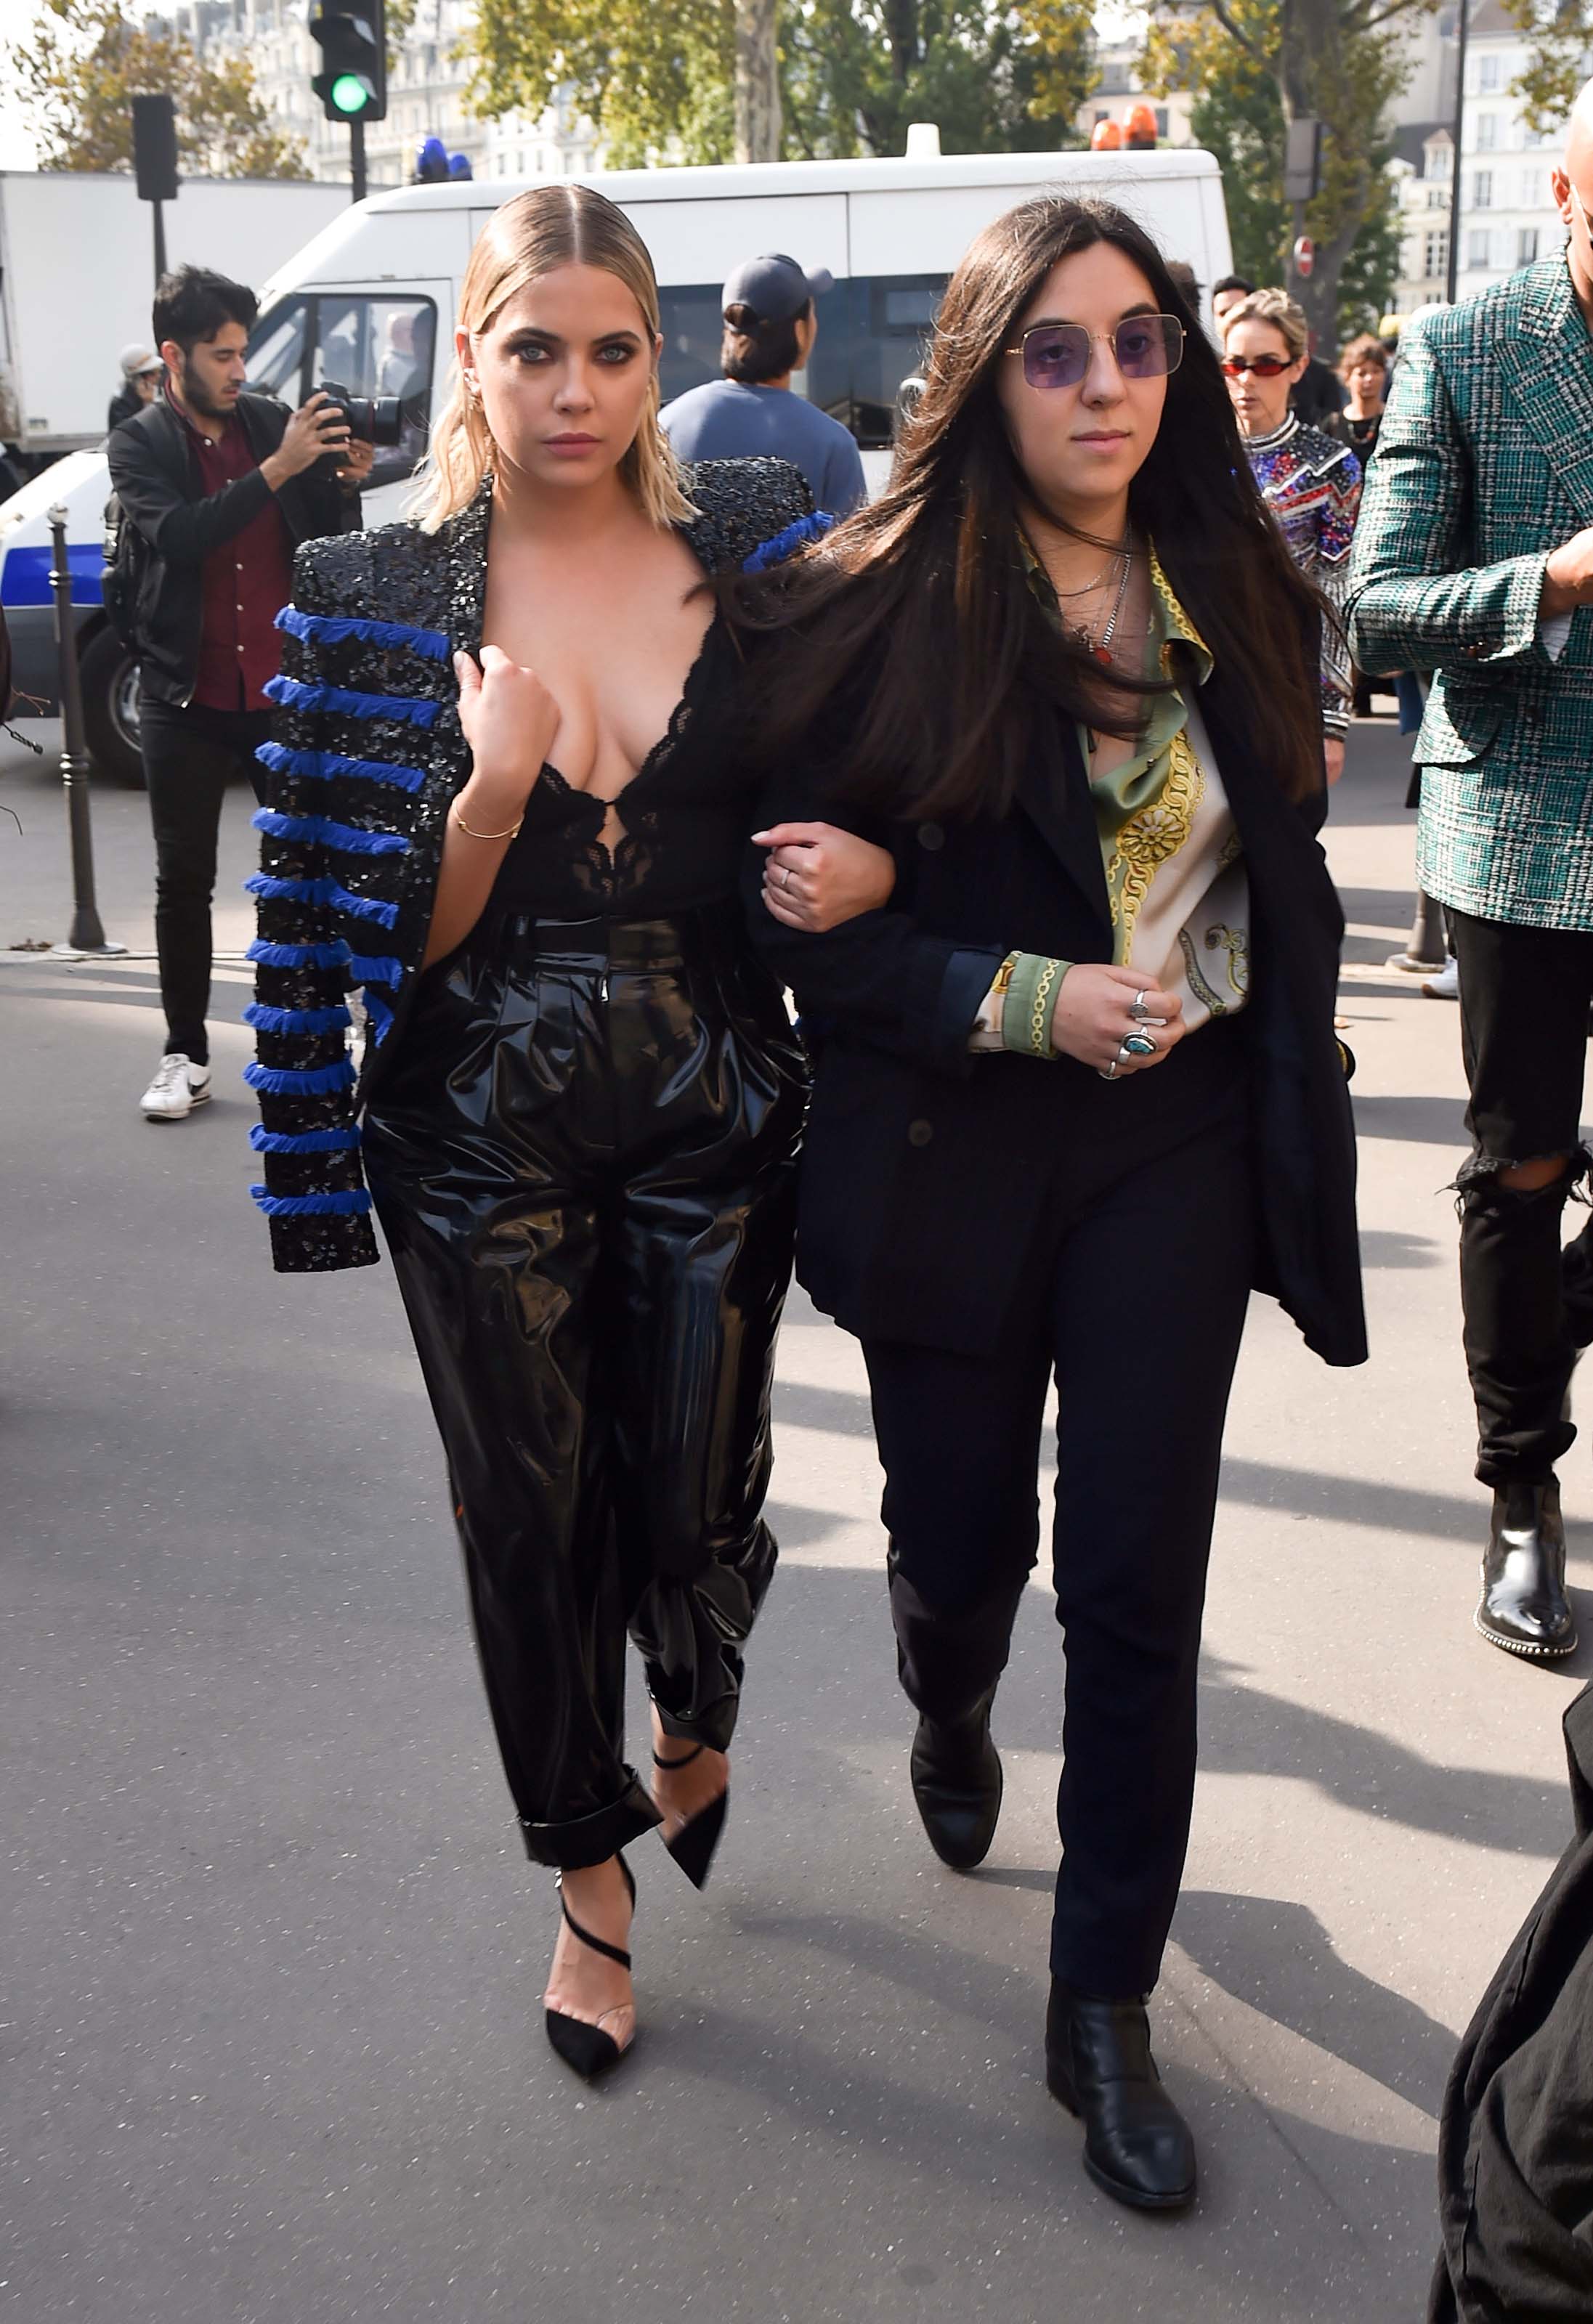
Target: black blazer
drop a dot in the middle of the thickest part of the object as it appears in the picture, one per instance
(156, 478)
(922, 1172)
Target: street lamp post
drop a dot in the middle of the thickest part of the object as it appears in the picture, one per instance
(1453, 267)
(88, 935)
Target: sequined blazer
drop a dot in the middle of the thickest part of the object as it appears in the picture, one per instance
(366, 756)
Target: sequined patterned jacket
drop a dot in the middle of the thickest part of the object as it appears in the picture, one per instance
(367, 754)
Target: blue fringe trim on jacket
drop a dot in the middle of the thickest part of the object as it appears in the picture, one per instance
(316, 1081)
(295, 1021)
(302, 1141)
(380, 1013)
(775, 551)
(322, 891)
(301, 955)
(326, 766)
(335, 630)
(348, 1203)
(293, 695)
(320, 830)
(375, 968)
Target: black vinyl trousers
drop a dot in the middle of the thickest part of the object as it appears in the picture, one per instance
(1137, 1302)
(583, 1155)
(1528, 1304)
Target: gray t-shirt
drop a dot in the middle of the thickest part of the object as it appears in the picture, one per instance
(726, 420)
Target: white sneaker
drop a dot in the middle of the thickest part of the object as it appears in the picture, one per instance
(1446, 984)
(178, 1087)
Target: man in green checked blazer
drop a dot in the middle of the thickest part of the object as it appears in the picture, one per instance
(1473, 558)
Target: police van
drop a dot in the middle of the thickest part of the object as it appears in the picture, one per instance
(370, 304)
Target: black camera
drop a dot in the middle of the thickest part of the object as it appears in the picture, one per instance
(373, 418)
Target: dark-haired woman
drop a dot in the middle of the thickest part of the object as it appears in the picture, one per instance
(1077, 1089)
(508, 798)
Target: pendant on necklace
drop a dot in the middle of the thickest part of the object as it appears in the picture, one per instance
(1102, 654)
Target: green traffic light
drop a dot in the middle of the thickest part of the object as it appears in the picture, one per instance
(351, 93)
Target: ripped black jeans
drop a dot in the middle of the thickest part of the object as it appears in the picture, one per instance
(1527, 1295)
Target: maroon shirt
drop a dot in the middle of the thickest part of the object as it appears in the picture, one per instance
(246, 581)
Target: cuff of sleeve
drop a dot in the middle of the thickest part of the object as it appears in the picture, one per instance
(1031, 996)
(966, 980)
(1522, 597)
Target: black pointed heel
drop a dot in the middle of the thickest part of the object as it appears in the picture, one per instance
(585, 2047)
(693, 1845)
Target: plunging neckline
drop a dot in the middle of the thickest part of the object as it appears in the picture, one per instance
(656, 754)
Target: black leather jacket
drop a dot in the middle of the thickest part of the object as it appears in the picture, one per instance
(156, 477)
(367, 758)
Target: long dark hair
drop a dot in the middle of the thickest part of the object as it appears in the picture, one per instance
(916, 614)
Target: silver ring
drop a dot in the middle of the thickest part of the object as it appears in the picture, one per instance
(1137, 1044)
(1137, 1009)
(1109, 1073)
(784, 876)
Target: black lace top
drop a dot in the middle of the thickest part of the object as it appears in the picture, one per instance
(685, 814)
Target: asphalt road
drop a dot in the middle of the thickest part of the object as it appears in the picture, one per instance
(273, 1958)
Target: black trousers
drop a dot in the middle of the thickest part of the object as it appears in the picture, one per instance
(1137, 1302)
(189, 758)
(1528, 1304)
(583, 1159)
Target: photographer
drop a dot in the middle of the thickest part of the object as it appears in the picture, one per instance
(218, 486)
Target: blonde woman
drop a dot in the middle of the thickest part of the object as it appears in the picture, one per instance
(508, 798)
(1309, 481)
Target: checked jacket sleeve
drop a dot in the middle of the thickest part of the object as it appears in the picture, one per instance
(344, 763)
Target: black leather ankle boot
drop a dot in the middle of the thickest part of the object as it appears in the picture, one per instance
(1098, 2063)
(956, 1785)
(1523, 1607)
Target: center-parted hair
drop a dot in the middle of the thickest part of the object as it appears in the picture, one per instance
(916, 612)
(537, 232)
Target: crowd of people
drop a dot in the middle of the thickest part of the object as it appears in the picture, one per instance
(1011, 778)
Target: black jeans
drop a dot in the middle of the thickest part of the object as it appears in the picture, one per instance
(1137, 1300)
(1528, 1304)
(583, 1154)
(190, 757)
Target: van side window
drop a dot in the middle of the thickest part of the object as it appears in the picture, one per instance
(276, 351)
(381, 347)
(872, 332)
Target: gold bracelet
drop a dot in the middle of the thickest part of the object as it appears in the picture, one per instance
(470, 833)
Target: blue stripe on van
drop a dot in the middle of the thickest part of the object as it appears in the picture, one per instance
(25, 579)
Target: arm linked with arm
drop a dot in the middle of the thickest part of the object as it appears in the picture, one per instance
(1414, 601)
(878, 975)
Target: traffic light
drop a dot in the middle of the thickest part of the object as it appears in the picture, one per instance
(352, 84)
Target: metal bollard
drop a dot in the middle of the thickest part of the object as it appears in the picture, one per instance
(86, 934)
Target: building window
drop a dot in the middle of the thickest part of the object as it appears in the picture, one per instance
(1435, 255)
(1161, 113)
(1482, 190)
(1487, 72)
(1487, 132)
(1527, 245)
(1476, 247)
(1438, 198)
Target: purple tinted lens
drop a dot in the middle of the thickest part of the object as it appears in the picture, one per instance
(1056, 355)
(1148, 345)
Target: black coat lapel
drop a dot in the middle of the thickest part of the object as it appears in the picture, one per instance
(1054, 794)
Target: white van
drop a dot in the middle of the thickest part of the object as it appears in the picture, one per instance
(370, 303)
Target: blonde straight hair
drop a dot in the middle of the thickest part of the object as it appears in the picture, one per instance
(548, 226)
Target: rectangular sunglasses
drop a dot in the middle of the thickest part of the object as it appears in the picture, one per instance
(1056, 355)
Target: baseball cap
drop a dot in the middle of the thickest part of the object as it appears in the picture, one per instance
(774, 287)
(136, 359)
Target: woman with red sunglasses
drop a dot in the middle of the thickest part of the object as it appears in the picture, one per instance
(1077, 1088)
(1311, 482)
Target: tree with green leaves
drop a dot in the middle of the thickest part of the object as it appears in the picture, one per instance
(1337, 61)
(1562, 36)
(1239, 118)
(74, 75)
(851, 74)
